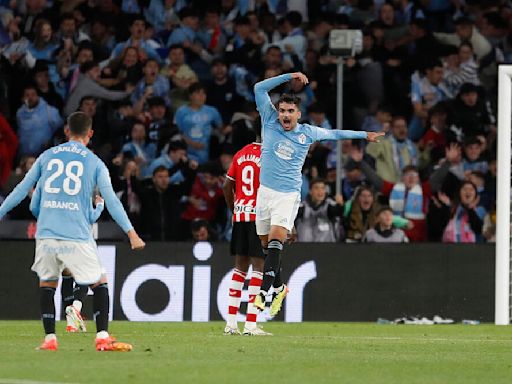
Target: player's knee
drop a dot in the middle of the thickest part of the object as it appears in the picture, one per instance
(99, 285)
(48, 283)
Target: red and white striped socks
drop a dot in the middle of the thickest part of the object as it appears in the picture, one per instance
(254, 288)
(235, 296)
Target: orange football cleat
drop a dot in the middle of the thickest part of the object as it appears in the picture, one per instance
(50, 345)
(110, 344)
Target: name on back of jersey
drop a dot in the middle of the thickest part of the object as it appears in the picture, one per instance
(72, 148)
(253, 158)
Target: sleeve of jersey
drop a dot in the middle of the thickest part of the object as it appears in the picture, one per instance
(337, 134)
(263, 102)
(231, 175)
(114, 206)
(35, 202)
(22, 189)
(96, 212)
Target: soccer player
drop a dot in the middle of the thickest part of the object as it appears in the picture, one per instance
(240, 188)
(67, 175)
(285, 146)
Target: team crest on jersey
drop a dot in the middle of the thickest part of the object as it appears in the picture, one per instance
(284, 150)
(302, 138)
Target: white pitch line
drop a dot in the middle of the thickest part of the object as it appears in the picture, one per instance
(398, 338)
(23, 381)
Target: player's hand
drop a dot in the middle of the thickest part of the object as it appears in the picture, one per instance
(98, 200)
(301, 77)
(373, 137)
(136, 242)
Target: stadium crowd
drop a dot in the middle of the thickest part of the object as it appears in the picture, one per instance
(169, 86)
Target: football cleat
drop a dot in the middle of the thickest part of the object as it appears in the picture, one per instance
(259, 302)
(71, 329)
(233, 331)
(257, 331)
(48, 345)
(73, 316)
(277, 301)
(110, 344)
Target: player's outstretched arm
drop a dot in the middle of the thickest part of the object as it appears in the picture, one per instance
(116, 210)
(22, 189)
(338, 134)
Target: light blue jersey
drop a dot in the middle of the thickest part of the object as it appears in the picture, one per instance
(198, 126)
(67, 176)
(283, 152)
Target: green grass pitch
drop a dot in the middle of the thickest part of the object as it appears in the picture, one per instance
(297, 353)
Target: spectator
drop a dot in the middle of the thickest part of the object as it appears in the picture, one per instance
(162, 14)
(204, 198)
(101, 38)
(160, 127)
(384, 231)
(461, 68)
(473, 156)
(221, 91)
(152, 84)
(186, 34)
(137, 30)
(175, 161)
(380, 122)
(212, 36)
(295, 41)
(140, 148)
(68, 32)
(37, 122)
(471, 112)
(180, 75)
(244, 48)
(43, 45)
(464, 217)
(466, 31)
(197, 121)
(45, 88)
(319, 216)
(159, 208)
(246, 126)
(124, 69)
(87, 85)
(489, 226)
(8, 147)
(129, 190)
(409, 198)
(394, 152)
(426, 91)
(202, 231)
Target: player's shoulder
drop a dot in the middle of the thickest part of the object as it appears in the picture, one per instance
(249, 149)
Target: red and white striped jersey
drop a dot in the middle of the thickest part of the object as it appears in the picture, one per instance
(245, 172)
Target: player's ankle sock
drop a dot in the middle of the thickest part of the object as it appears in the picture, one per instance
(80, 293)
(101, 307)
(272, 262)
(102, 335)
(254, 288)
(47, 309)
(66, 290)
(50, 336)
(235, 295)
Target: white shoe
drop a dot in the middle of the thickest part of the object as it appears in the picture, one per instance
(257, 331)
(74, 317)
(233, 331)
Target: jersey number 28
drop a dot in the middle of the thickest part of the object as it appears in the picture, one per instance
(72, 183)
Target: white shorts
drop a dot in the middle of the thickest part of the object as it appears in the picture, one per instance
(275, 208)
(82, 260)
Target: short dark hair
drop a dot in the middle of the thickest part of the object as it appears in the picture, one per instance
(156, 101)
(294, 18)
(176, 46)
(160, 168)
(79, 123)
(289, 98)
(86, 98)
(196, 87)
(385, 208)
(409, 168)
(197, 224)
(88, 65)
(66, 16)
(317, 180)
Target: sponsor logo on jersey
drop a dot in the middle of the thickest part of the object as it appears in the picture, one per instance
(53, 204)
(284, 150)
(302, 138)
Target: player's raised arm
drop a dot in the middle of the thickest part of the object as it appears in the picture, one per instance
(338, 134)
(115, 208)
(22, 189)
(261, 89)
